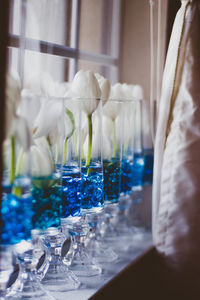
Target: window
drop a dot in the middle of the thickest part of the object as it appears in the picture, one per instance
(62, 36)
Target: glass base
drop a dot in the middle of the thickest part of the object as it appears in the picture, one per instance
(60, 279)
(31, 289)
(27, 286)
(95, 245)
(83, 265)
(109, 231)
(101, 252)
(123, 228)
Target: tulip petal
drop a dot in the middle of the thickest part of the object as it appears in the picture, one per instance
(85, 85)
(47, 118)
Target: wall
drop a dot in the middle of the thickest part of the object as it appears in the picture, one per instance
(135, 46)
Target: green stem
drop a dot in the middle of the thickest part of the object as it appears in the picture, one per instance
(12, 160)
(75, 144)
(65, 150)
(19, 162)
(56, 154)
(126, 148)
(50, 150)
(82, 141)
(114, 140)
(89, 141)
(17, 191)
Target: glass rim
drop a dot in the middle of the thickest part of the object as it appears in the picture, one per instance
(32, 96)
(125, 99)
(79, 98)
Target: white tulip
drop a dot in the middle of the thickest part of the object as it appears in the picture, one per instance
(85, 85)
(22, 133)
(137, 92)
(41, 162)
(117, 91)
(127, 91)
(55, 135)
(104, 85)
(108, 126)
(29, 107)
(112, 109)
(47, 144)
(107, 147)
(52, 88)
(41, 142)
(47, 118)
(32, 83)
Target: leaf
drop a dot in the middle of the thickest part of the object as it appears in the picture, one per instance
(71, 117)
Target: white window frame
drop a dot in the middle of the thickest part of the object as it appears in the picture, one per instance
(73, 52)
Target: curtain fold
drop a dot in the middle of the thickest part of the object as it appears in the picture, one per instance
(176, 186)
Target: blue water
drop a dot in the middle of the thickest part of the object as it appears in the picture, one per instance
(16, 211)
(126, 176)
(91, 192)
(112, 180)
(148, 166)
(47, 201)
(138, 169)
(71, 191)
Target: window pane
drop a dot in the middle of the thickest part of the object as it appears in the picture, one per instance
(96, 26)
(109, 72)
(37, 64)
(15, 12)
(86, 65)
(47, 20)
(13, 56)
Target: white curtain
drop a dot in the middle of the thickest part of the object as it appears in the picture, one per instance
(176, 186)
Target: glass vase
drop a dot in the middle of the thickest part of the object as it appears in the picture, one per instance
(17, 213)
(47, 130)
(127, 168)
(113, 124)
(86, 178)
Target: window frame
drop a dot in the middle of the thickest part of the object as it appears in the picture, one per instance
(73, 53)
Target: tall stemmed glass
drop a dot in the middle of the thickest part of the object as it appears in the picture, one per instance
(113, 112)
(90, 190)
(16, 207)
(143, 172)
(47, 190)
(148, 151)
(138, 171)
(147, 142)
(124, 229)
(92, 187)
(71, 172)
(138, 166)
